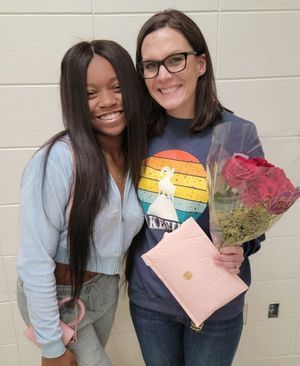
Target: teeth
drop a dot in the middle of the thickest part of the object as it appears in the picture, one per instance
(110, 116)
(167, 91)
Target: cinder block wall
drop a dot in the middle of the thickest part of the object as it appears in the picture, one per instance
(256, 54)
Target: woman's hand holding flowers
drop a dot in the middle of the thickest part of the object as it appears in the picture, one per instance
(231, 258)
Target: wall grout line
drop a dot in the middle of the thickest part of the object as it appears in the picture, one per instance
(218, 42)
(150, 12)
(8, 205)
(19, 148)
(93, 18)
(223, 80)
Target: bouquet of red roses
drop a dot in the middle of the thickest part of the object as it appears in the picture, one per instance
(247, 194)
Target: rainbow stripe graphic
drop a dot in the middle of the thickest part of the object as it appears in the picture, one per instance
(177, 178)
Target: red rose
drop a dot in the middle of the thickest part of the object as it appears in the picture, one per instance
(259, 191)
(238, 170)
(277, 175)
(262, 162)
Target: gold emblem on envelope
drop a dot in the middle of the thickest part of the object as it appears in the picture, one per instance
(187, 275)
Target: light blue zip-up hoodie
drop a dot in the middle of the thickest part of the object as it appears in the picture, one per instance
(44, 227)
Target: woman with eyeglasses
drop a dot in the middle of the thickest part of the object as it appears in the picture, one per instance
(174, 62)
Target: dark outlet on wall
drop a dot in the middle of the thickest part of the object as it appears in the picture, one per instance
(273, 311)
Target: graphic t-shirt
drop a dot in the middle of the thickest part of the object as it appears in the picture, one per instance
(172, 188)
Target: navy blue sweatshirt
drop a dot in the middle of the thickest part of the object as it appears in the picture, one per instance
(172, 188)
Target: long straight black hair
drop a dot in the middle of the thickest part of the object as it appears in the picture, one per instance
(90, 185)
(207, 106)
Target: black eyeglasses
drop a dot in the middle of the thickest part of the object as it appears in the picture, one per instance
(173, 63)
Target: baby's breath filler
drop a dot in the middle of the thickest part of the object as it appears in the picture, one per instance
(246, 197)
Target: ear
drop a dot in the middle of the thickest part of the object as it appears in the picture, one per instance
(201, 59)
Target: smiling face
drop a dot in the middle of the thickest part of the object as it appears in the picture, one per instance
(105, 99)
(175, 92)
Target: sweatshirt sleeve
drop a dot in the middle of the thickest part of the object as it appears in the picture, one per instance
(43, 209)
(253, 146)
(253, 246)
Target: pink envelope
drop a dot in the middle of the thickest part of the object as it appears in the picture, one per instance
(183, 260)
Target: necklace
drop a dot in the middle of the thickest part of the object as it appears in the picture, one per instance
(116, 170)
(116, 174)
(120, 178)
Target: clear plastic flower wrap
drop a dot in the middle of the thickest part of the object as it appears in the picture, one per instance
(247, 194)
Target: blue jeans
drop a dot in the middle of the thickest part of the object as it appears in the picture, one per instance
(167, 340)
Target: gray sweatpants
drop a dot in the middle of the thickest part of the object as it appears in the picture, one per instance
(100, 297)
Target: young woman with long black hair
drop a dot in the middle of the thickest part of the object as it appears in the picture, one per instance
(79, 210)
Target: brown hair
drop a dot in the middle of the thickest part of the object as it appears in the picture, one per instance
(207, 106)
